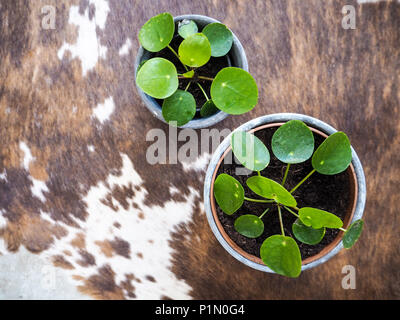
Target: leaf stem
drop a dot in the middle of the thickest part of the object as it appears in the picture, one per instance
(174, 52)
(259, 173)
(187, 87)
(205, 78)
(302, 181)
(258, 200)
(201, 88)
(291, 211)
(285, 176)
(280, 220)
(262, 214)
(341, 229)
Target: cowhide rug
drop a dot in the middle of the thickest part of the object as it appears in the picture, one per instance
(75, 186)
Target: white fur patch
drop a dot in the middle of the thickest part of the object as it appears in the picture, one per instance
(104, 110)
(3, 175)
(27, 155)
(38, 186)
(87, 47)
(3, 248)
(125, 48)
(3, 220)
(200, 164)
(149, 236)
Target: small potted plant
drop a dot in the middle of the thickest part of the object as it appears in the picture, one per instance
(256, 206)
(189, 77)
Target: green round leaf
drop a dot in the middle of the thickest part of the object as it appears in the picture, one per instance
(306, 234)
(317, 218)
(208, 109)
(220, 38)
(234, 91)
(293, 142)
(282, 255)
(179, 108)
(352, 234)
(270, 189)
(195, 50)
(186, 28)
(250, 151)
(157, 32)
(228, 193)
(333, 155)
(158, 78)
(249, 226)
(189, 74)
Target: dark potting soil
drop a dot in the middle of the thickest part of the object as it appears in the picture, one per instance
(210, 69)
(330, 193)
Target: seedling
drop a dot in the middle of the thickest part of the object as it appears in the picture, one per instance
(233, 90)
(292, 143)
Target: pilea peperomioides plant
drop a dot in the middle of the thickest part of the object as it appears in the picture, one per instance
(233, 90)
(291, 143)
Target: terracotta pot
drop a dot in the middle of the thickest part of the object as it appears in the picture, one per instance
(354, 211)
(236, 56)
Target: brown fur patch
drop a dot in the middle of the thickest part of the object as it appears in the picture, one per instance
(117, 246)
(61, 262)
(32, 232)
(121, 247)
(79, 241)
(105, 247)
(102, 285)
(128, 287)
(87, 259)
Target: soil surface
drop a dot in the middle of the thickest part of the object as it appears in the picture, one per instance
(210, 69)
(330, 193)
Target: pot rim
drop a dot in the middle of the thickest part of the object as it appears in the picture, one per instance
(154, 107)
(256, 124)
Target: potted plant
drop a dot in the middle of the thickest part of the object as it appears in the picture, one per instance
(291, 209)
(192, 71)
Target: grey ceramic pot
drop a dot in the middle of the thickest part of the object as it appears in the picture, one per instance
(237, 58)
(209, 202)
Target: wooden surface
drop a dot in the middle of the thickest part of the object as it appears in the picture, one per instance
(50, 203)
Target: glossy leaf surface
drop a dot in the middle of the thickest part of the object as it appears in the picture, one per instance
(249, 226)
(158, 78)
(157, 32)
(333, 155)
(234, 91)
(282, 255)
(250, 150)
(228, 193)
(293, 142)
(270, 189)
(179, 108)
(220, 38)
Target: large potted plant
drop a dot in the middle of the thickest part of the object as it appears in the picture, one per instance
(289, 209)
(191, 71)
